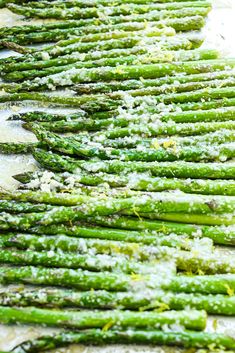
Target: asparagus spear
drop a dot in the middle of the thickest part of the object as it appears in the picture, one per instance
(16, 147)
(87, 103)
(85, 280)
(164, 15)
(212, 117)
(108, 87)
(120, 127)
(79, 3)
(123, 72)
(219, 234)
(185, 261)
(179, 123)
(110, 60)
(179, 42)
(99, 262)
(17, 207)
(46, 117)
(154, 202)
(92, 33)
(185, 339)
(188, 23)
(179, 169)
(78, 13)
(152, 299)
(212, 219)
(169, 128)
(221, 152)
(217, 137)
(24, 37)
(191, 319)
(137, 181)
(125, 242)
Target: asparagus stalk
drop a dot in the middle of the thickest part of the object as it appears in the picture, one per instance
(128, 72)
(78, 13)
(219, 234)
(125, 242)
(214, 117)
(119, 128)
(179, 169)
(17, 207)
(42, 116)
(152, 299)
(79, 3)
(137, 181)
(221, 152)
(99, 262)
(170, 129)
(185, 261)
(185, 339)
(181, 123)
(108, 59)
(16, 147)
(179, 42)
(108, 87)
(222, 219)
(218, 137)
(191, 319)
(188, 23)
(93, 33)
(57, 215)
(87, 103)
(164, 15)
(154, 202)
(85, 280)
(25, 37)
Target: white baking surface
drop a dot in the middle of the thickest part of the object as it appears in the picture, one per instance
(219, 31)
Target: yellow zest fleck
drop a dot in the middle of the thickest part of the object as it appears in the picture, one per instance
(142, 79)
(163, 229)
(136, 277)
(146, 23)
(169, 143)
(136, 213)
(115, 249)
(200, 272)
(155, 144)
(215, 324)
(212, 346)
(107, 326)
(92, 290)
(119, 70)
(230, 290)
(162, 307)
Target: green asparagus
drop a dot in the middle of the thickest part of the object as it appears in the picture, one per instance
(100, 262)
(152, 299)
(178, 169)
(142, 182)
(123, 72)
(185, 339)
(219, 234)
(77, 13)
(110, 60)
(155, 202)
(164, 15)
(125, 242)
(85, 280)
(191, 319)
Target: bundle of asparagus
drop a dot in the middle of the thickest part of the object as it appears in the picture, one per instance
(117, 227)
